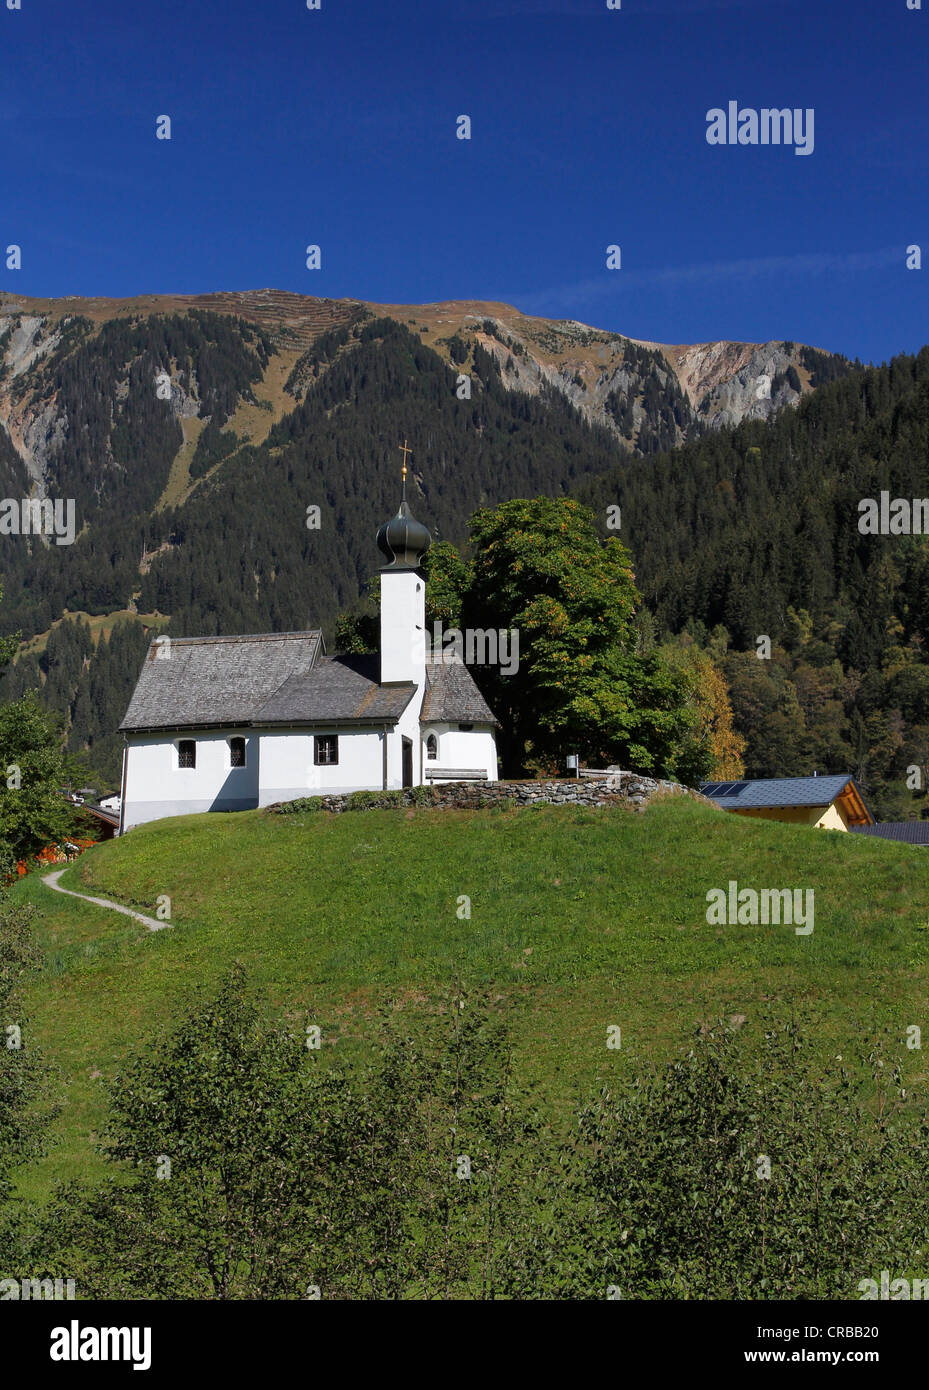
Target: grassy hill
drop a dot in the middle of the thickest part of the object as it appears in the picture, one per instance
(100, 624)
(583, 918)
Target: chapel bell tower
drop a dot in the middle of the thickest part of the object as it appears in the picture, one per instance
(403, 541)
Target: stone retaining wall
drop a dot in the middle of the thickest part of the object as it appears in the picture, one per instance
(623, 788)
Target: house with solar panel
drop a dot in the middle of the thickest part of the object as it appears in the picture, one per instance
(233, 723)
(826, 803)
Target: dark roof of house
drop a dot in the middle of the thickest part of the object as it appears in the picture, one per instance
(776, 791)
(339, 690)
(452, 696)
(782, 792)
(910, 832)
(204, 681)
(284, 678)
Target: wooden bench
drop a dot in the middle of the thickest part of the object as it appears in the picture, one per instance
(455, 774)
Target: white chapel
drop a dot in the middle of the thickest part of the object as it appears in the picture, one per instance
(231, 723)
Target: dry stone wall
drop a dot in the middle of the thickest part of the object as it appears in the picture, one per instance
(617, 788)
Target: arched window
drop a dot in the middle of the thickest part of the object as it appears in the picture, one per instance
(432, 748)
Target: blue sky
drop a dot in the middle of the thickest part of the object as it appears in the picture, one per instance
(337, 127)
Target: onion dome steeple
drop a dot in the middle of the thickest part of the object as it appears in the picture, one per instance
(403, 541)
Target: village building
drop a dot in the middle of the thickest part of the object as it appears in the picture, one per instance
(826, 803)
(904, 832)
(233, 723)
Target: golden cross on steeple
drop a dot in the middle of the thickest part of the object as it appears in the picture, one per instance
(404, 449)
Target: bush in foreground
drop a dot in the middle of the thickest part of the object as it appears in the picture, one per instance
(252, 1165)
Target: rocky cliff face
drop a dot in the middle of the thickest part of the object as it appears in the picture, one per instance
(33, 426)
(651, 395)
(731, 382)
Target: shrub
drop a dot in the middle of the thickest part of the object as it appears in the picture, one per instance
(728, 1178)
(293, 808)
(423, 796)
(288, 1173)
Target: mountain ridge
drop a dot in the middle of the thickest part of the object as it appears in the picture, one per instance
(619, 382)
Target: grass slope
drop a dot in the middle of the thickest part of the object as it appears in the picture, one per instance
(100, 624)
(586, 918)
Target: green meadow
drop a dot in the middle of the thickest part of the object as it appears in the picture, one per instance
(582, 920)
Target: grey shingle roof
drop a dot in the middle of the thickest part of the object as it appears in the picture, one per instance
(205, 681)
(283, 678)
(339, 690)
(778, 791)
(451, 696)
(909, 832)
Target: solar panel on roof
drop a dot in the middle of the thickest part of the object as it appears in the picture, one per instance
(723, 788)
(729, 788)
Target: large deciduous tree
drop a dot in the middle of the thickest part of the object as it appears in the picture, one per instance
(33, 813)
(713, 733)
(583, 683)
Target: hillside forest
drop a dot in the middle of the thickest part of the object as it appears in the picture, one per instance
(808, 638)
